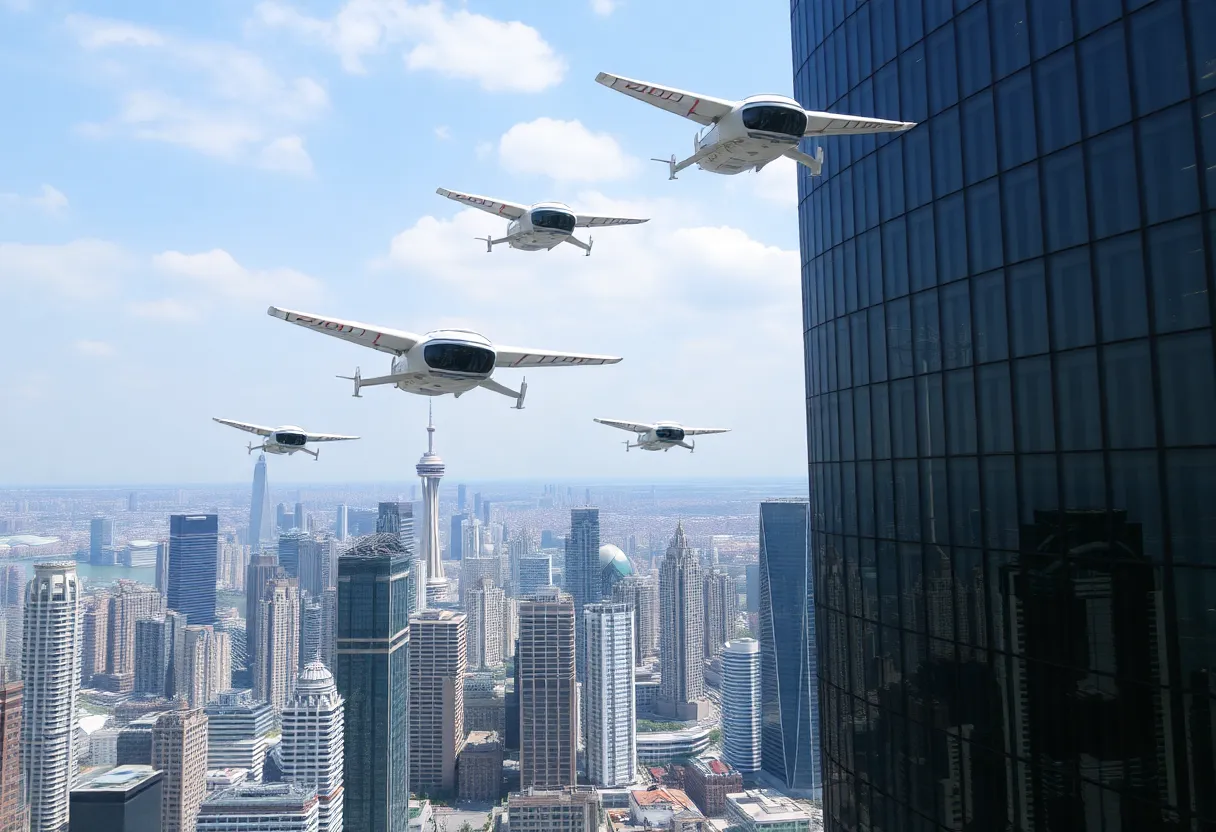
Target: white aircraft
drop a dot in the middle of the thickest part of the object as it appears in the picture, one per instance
(661, 436)
(545, 225)
(286, 439)
(748, 134)
(444, 361)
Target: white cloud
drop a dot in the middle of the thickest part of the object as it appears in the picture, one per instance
(777, 182)
(455, 44)
(49, 199)
(217, 273)
(210, 97)
(95, 349)
(565, 151)
(443, 132)
(603, 7)
(79, 270)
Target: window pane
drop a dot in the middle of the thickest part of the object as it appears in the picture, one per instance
(891, 181)
(979, 137)
(880, 411)
(1052, 21)
(894, 259)
(1192, 482)
(960, 406)
(1092, 14)
(929, 415)
(996, 431)
(1040, 484)
(927, 333)
(951, 238)
(943, 73)
(917, 170)
(1077, 388)
(1023, 224)
(903, 419)
(878, 344)
(882, 15)
(899, 338)
(947, 153)
(990, 327)
(1064, 184)
(861, 417)
(1108, 100)
(1121, 295)
(1188, 398)
(984, 226)
(937, 12)
(1115, 200)
(1028, 308)
(860, 344)
(1084, 482)
(1203, 42)
(1035, 428)
(1207, 131)
(1072, 299)
(922, 259)
(1134, 489)
(1015, 115)
(1010, 36)
(1179, 280)
(1159, 56)
(911, 22)
(975, 62)
(1167, 159)
(1056, 86)
(1000, 496)
(956, 325)
(964, 501)
(1129, 396)
(871, 246)
(913, 85)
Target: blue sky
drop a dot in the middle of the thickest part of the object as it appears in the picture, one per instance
(167, 170)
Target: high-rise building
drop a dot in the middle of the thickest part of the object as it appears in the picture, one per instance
(260, 513)
(544, 664)
(311, 749)
(398, 519)
(12, 799)
(456, 536)
(752, 576)
(300, 518)
(117, 799)
(262, 568)
(535, 571)
(289, 551)
(741, 703)
(238, 731)
(581, 577)
(161, 578)
(610, 715)
(153, 656)
(372, 672)
(50, 667)
(94, 635)
(101, 536)
(569, 809)
(282, 807)
(329, 624)
(430, 468)
(312, 615)
(316, 557)
(129, 601)
(437, 667)
(193, 552)
(721, 603)
(682, 630)
(277, 659)
(340, 524)
(641, 593)
(203, 666)
(485, 605)
(788, 657)
(179, 751)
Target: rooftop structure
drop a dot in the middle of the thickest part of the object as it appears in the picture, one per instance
(764, 810)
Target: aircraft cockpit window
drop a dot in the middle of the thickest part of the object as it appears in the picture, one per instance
(773, 118)
(294, 440)
(670, 434)
(553, 220)
(459, 358)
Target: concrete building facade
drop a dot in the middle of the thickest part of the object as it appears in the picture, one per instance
(547, 694)
(437, 668)
(610, 718)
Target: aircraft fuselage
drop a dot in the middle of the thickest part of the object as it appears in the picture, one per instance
(661, 438)
(753, 134)
(445, 361)
(544, 226)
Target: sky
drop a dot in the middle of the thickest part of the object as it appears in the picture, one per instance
(168, 170)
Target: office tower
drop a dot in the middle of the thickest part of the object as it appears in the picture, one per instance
(12, 800)
(544, 664)
(480, 768)
(260, 515)
(311, 622)
(262, 568)
(204, 665)
(477, 505)
(238, 731)
(316, 556)
(582, 578)
(398, 519)
(50, 667)
(140, 553)
(175, 633)
(312, 742)
(161, 578)
(569, 809)
(485, 605)
(485, 512)
(430, 468)
(153, 653)
(12, 597)
(641, 592)
(788, 658)
(752, 573)
(282, 518)
(277, 659)
(232, 625)
(132, 502)
(521, 544)
(117, 799)
(94, 636)
(193, 551)
(129, 601)
(101, 536)
(329, 625)
(179, 751)
(721, 602)
(300, 518)
(456, 536)
(372, 672)
(610, 714)
(340, 527)
(681, 631)
(436, 673)
(462, 496)
(535, 571)
(281, 807)
(741, 704)
(289, 551)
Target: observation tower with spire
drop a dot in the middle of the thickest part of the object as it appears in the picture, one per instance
(430, 470)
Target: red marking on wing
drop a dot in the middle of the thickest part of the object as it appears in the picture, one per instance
(693, 108)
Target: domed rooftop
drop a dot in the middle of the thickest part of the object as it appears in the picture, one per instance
(611, 555)
(314, 679)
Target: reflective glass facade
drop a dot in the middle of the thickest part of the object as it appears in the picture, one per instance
(193, 553)
(1011, 403)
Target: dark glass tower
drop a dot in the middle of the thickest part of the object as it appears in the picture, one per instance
(1010, 383)
(398, 519)
(193, 552)
(789, 695)
(372, 672)
(582, 576)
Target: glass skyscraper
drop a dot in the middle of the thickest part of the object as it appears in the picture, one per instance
(582, 574)
(789, 696)
(193, 553)
(1010, 405)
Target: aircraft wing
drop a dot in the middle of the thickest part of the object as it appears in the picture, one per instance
(700, 108)
(703, 431)
(510, 210)
(328, 437)
(258, 429)
(380, 338)
(523, 357)
(836, 124)
(588, 221)
(632, 427)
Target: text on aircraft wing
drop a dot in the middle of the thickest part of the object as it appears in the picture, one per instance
(380, 338)
(523, 357)
(632, 427)
(588, 221)
(835, 124)
(703, 431)
(702, 109)
(328, 437)
(510, 210)
(258, 429)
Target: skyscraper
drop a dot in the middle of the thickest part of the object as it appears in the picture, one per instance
(437, 668)
(260, 513)
(283, 807)
(535, 571)
(277, 658)
(203, 666)
(94, 631)
(179, 750)
(485, 605)
(340, 525)
(544, 664)
(289, 551)
(456, 536)
(129, 601)
(741, 703)
(193, 552)
(682, 631)
(721, 603)
(153, 653)
(119, 799)
(641, 592)
(790, 697)
(430, 468)
(312, 742)
(12, 800)
(238, 731)
(582, 577)
(372, 672)
(101, 536)
(610, 714)
(262, 567)
(398, 519)
(50, 667)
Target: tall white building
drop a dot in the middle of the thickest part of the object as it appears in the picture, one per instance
(741, 704)
(260, 807)
(430, 468)
(50, 665)
(277, 660)
(204, 666)
(485, 605)
(311, 747)
(610, 716)
(682, 631)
